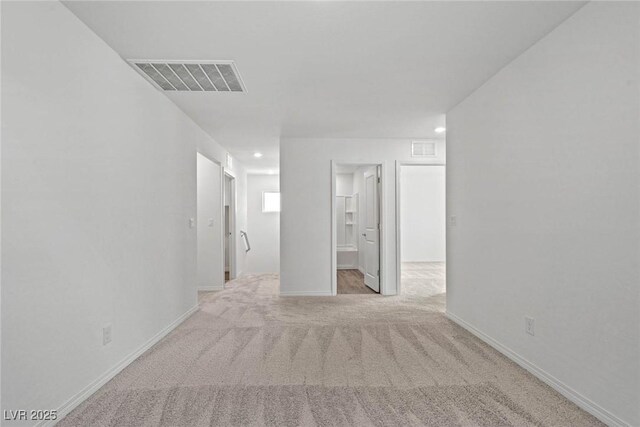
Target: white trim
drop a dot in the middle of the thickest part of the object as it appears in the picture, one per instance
(306, 294)
(399, 164)
(85, 393)
(334, 236)
(233, 214)
(221, 229)
(382, 205)
(575, 397)
(233, 227)
(210, 288)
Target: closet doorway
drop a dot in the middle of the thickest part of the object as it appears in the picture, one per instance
(356, 228)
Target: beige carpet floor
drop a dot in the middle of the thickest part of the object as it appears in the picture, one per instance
(422, 278)
(249, 358)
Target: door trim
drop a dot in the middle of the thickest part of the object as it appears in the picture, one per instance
(383, 223)
(399, 165)
(232, 225)
(217, 162)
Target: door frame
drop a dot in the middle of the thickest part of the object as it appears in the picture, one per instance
(399, 164)
(198, 224)
(383, 222)
(232, 224)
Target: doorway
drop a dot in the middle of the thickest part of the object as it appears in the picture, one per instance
(229, 225)
(208, 223)
(356, 237)
(421, 216)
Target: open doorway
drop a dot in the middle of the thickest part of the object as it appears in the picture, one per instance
(229, 224)
(357, 238)
(210, 196)
(421, 198)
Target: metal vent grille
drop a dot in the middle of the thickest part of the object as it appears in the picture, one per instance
(423, 149)
(191, 76)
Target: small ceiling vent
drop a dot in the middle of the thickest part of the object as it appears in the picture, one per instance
(191, 76)
(423, 149)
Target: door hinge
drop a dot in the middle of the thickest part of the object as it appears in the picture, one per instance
(378, 273)
(378, 180)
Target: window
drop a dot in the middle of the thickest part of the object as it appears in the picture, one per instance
(271, 201)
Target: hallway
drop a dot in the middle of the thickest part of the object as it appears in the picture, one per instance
(251, 357)
(423, 278)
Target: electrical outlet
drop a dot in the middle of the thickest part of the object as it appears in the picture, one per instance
(192, 222)
(211, 222)
(453, 221)
(106, 334)
(529, 325)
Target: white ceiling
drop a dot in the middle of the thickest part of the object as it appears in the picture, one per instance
(326, 69)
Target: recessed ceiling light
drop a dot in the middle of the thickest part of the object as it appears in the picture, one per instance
(258, 155)
(440, 129)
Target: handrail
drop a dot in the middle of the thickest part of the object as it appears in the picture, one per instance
(245, 238)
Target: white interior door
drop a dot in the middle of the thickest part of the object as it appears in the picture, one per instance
(227, 234)
(372, 230)
(209, 224)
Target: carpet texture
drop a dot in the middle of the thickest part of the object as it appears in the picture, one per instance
(249, 358)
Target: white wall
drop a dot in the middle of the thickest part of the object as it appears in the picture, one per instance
(423, 217)
(209, 223)
(543, 178)
(98, 185)
(241, 219)
(344, 184)
(264, 227)
(305, 180)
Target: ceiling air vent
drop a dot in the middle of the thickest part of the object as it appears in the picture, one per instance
(423, 149)
(191, 76)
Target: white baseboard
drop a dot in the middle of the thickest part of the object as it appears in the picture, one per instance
(306, 293)
(361, 269)
(588, 405)
(85, 393)
(210, 288)
(347, 267)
